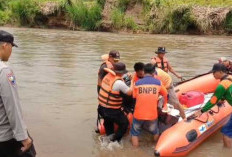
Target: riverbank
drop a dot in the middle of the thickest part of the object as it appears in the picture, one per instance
(135, 16)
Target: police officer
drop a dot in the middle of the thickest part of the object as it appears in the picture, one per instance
(14, 138)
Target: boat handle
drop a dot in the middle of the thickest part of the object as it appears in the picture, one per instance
(203, 121)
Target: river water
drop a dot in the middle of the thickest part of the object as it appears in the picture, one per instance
(56, 72)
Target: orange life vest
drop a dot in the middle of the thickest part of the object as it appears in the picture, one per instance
(135, 78)
(108, 98)
(146, 99)
(162, 64)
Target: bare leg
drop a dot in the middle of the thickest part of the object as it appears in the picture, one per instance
(173, 100)
(135, 141)
(227, 141)
(178, 106)
(182, 113)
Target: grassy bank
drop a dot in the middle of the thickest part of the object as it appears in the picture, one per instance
(199, 16)
(154, 16)
(21, 12)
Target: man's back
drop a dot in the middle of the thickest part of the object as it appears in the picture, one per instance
(146, 92)
(164, 77)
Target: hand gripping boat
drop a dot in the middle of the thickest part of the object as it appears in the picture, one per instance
(183, 137)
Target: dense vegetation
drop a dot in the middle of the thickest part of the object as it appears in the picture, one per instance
(156, 16)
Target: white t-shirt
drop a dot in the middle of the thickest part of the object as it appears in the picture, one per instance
(120, 86)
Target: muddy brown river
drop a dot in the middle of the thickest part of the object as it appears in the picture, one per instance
(56, 71)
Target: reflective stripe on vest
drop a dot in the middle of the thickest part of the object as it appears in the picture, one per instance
(108, 98)
(162, 64)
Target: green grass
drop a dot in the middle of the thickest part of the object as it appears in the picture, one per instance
(177, 20)
(117, 18)
(93, 17)
(3, 4)
(85, 16)
(228, 22)
(123, 4)
(24, 11)
(130, 24)
(180, 20)
(77, 13)
(5, 17)
(101, 3)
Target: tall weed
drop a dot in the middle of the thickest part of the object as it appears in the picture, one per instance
(123, 4)
(83, 16)
(228, 22)
(130, 24)
(5, 17)
(93, 17)
(178, 20)
(3, 4)
(25, 11)
(101, 3)
(77, 13)
(117, 18)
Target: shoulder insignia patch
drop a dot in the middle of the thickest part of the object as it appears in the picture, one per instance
(11, 79)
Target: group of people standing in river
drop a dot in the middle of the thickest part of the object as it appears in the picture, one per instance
(147, 83)
(151, 88)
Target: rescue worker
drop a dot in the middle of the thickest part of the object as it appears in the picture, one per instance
(223, 92)
(227, 63)
(172, 98)
(114, 57)
(14, 138)
(146, 92)
(162, 62)
(110, 102)
(139, 71)
(166, 80)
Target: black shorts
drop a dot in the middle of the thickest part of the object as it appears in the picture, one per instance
(12, 148)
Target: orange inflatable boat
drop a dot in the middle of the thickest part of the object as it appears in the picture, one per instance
(185, 136)
(205, 83)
